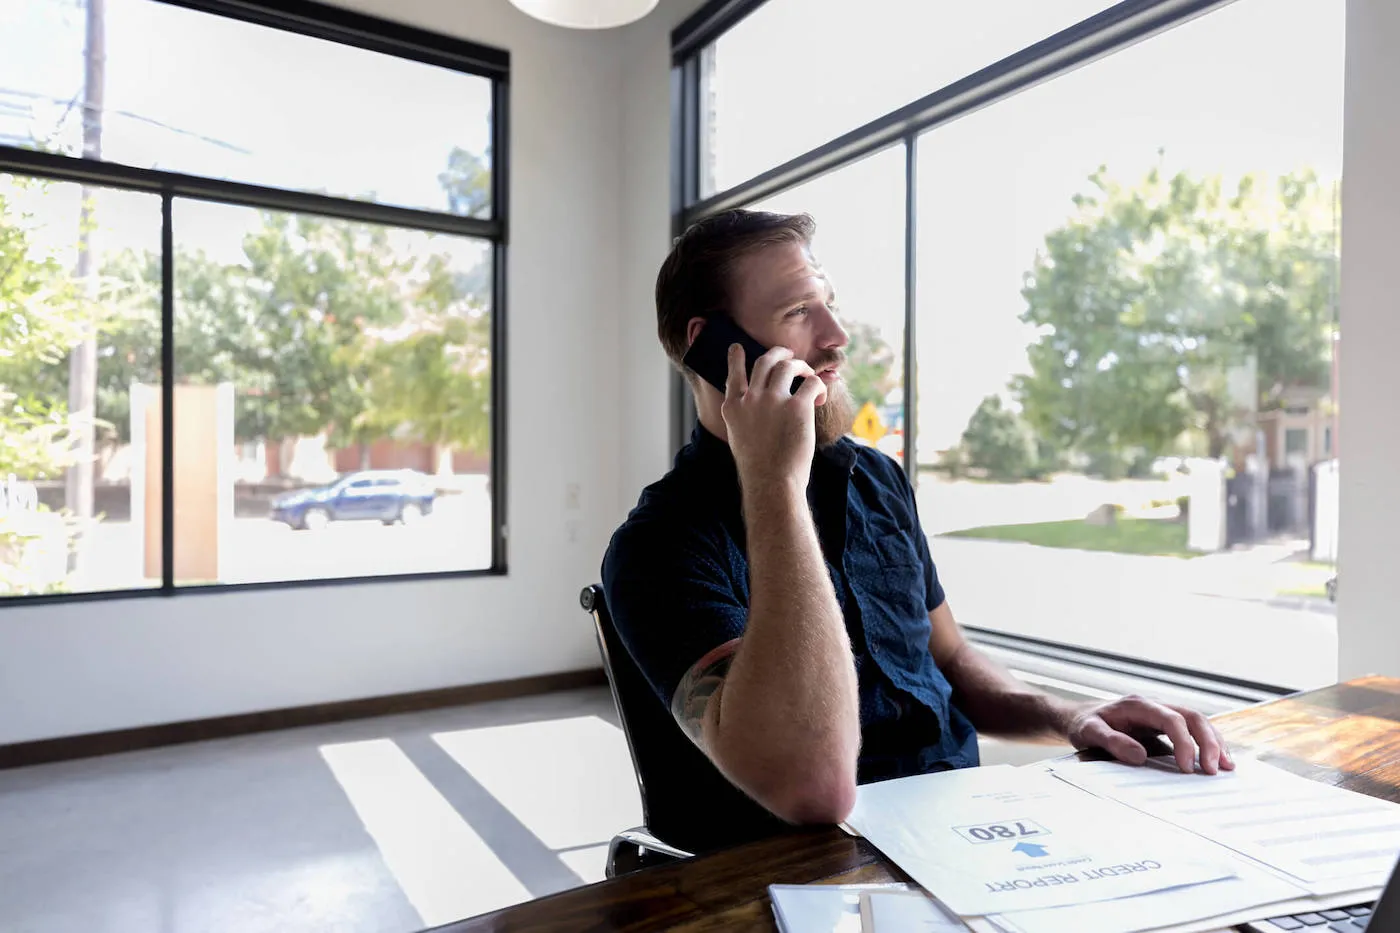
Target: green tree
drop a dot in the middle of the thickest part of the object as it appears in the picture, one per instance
(312, 286)
(212, 323)
(41, 317)
(315, 315)
(433, 384)
(467, 183)
(1153, 297)
(285, 326)
(998, 442)
(870, 364)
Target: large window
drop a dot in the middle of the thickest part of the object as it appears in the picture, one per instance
(1124, 300)
(226, 99)
(249, 301)
(796, 73)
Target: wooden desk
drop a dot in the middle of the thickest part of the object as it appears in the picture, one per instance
(1347, 735)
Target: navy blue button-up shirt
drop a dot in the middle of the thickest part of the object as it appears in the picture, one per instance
(677, 583)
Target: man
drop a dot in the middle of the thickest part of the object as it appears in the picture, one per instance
(776, 588)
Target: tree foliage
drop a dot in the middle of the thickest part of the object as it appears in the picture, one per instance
(1153, 298)
(321, 325)
(41, 317)
(433, 383)
(467, 183)
(870, 364)
(998, 443)
(299, 327)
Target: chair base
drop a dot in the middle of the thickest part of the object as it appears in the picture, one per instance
(635, 849)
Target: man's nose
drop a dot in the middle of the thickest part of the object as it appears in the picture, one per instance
(832, 335)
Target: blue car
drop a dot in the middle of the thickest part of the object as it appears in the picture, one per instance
(387, 496)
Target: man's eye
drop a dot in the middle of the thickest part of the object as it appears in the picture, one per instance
(801, 309)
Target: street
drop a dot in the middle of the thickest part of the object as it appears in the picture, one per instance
(456, 536)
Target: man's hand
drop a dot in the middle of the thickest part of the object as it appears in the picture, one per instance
(772, 432)
(1108, 725)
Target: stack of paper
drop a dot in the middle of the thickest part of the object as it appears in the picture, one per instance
(905, 912)
(1107, 848)
(822, 908)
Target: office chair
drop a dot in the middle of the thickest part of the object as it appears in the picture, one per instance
(688, 807)
(637, 848)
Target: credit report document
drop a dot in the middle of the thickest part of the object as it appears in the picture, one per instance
(1001, 839)
(1326, 839)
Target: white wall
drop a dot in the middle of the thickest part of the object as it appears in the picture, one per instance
(1368, 623)
(646, 227)
(587, 395)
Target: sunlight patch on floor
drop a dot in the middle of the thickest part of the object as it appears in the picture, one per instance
(589, 863)
(443, 867)
(569, 781)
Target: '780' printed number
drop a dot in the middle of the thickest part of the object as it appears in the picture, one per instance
(1001, 832)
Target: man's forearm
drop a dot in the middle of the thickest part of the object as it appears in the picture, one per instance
(789, 716)
(998, 704)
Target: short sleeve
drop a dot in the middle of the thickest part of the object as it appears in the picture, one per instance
(673, 597)
(933, 587)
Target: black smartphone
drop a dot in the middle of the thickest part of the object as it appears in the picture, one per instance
(709, 354)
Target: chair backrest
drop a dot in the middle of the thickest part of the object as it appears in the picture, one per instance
(686, 802)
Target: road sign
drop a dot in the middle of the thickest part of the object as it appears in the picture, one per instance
(869, 426)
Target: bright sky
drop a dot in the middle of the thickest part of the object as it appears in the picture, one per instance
(196, 93)
(1256, 86)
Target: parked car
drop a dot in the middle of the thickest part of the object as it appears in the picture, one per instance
(388, 496)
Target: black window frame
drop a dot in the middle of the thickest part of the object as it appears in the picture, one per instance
(344, 27)
(1111, 30)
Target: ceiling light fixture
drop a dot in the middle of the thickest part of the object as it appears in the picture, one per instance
(587, 14)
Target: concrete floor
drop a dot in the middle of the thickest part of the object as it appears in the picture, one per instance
(376, 826)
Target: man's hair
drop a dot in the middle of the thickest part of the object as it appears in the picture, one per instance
(694, 279)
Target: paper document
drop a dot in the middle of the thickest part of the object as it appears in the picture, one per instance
(996, 840)
(1140, 914)
(909, 912)
(821, 908)
(1252, 889)
(1329, 839)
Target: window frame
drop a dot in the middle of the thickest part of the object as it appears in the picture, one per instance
(1111, 30)
(344, 27)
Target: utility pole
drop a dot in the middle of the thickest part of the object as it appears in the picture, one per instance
(82, 363)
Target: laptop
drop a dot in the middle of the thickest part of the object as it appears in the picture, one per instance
(1383, 916)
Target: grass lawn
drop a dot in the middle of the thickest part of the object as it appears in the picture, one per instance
(1307, 578)
(1155, 536)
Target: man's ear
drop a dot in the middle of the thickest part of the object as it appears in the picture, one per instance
(692, 330)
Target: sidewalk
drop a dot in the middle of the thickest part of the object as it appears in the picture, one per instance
(1217, 616)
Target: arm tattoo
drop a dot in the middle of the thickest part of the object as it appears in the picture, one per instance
(699, 684)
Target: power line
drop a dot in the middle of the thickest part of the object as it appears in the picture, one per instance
(73, 103)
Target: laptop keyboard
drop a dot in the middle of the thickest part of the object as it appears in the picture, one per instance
(1342, 920)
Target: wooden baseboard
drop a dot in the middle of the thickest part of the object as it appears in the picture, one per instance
(43, 751)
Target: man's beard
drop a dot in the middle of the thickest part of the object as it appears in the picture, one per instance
(837, 416)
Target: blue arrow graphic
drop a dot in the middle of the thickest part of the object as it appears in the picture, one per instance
(1029, 848)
